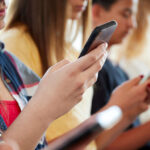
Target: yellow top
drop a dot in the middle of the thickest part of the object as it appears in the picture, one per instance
(20, 43)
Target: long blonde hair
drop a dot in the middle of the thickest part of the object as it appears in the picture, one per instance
(46, 23)
(136, 41)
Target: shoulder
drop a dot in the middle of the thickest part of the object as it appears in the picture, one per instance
(11, 34)
(19, 42)
(16, 38)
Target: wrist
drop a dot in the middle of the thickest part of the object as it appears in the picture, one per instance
(45, 112)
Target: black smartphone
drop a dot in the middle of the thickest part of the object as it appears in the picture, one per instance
(99, 35)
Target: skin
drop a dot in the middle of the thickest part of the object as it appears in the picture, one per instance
(131, 88)
(81, 73)
(38, 130)
(122, 12)
(2, 13)
(76, 8)
(32, 134)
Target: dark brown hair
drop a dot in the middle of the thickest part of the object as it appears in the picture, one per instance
(105, 3)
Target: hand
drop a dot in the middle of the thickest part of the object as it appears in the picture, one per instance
(8, 146)
(131, 114)
(131, 95)
(64, 84)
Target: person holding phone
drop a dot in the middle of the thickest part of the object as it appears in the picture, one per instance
(41, 43)
(19, 84)
(132, 54)
(111, 76)
(15, 138)
(28, 46)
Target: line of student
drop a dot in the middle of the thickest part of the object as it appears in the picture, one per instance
(35, 32)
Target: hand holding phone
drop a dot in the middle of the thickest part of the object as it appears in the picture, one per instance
(100, 34)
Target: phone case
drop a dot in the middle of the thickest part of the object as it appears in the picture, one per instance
(99, 35)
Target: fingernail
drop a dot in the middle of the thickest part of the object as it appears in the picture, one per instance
(105, 45)
(141, 76)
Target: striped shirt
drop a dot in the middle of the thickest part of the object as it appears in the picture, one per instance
(21, 82)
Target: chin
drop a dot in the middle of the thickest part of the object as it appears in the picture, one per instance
(116, 42)
(76, 16)
(2, 24)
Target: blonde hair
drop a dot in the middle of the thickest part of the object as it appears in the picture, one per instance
(46, 23)
(135, 42)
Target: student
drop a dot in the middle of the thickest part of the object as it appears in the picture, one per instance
(44, 45)
(111, 76)
(26, 42)
(133, 49)
(25, 136)
(132, 54)
(18, 85)
(52, 19)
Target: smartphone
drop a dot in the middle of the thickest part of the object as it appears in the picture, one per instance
(99, 35)
(104, 120)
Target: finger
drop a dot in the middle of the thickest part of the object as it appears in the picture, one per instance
(91, 82)
(93, 70)
(134, 81)
(142, 91)
(59, 65)
(145, 86)
(144, 107)
(148, 94)
(89, 59)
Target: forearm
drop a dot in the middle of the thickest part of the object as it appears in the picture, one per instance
(81, 136)
(104, 139)
(28, 128)
(132, 139)
(81, 144)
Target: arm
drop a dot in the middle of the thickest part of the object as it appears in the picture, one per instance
(125, 140)
(40, 112)
(132, 139)
(125, 103)
(104, 139)
(32, 134)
